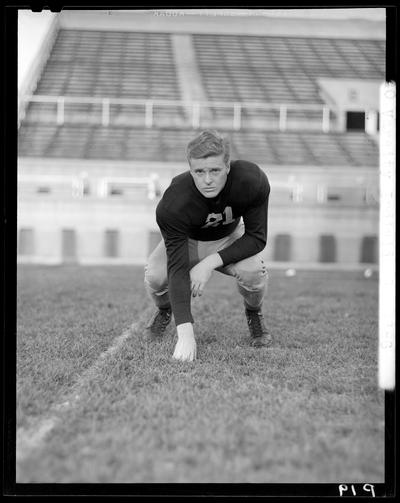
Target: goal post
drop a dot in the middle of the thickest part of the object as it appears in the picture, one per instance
(387, 240)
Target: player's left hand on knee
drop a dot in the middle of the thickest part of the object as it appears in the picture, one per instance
(199, 275)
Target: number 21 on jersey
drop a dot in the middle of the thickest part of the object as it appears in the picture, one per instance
(215, 219)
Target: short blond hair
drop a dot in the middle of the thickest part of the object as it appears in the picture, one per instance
(208, 143)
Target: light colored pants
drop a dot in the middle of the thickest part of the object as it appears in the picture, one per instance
(251, 273)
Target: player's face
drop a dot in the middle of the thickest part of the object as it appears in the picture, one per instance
(209, 174)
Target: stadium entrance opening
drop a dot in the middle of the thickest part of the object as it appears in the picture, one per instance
(355, 121)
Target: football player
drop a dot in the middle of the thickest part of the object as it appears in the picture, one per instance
(212, 217)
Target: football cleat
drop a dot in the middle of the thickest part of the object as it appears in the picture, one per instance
(159, 322)
(259, 335)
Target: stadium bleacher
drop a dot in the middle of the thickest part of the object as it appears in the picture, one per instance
(244, 69)
(96, 142)
(110, 64)
(281, 69)
(107, 65)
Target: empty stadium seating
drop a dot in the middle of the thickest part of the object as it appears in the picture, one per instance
(290, 148)
(281, 69)
(244, 69)
(108, 65)
(233, 68)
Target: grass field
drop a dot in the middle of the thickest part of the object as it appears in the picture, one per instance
(306, 410)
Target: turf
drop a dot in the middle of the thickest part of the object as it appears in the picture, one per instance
(306, 410)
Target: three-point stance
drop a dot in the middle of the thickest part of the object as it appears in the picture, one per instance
(211, 217)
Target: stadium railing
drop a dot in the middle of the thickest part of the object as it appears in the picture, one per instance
(78, 186)
(140, 188)
(278, 114)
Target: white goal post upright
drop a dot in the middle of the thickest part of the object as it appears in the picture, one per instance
(387, 238)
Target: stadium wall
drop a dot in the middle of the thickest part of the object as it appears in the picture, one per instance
(308, 232)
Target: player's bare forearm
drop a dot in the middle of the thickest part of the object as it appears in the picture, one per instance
(201, 273)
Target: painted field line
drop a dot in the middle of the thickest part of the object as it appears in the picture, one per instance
(30, 439)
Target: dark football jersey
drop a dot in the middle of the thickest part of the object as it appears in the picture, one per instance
(184, 212)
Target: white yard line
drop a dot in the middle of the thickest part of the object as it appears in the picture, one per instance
(30, 439)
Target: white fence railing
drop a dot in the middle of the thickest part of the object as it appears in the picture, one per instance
(77, 186)
(325, 193)
(151, 183)
(194, 109)
(292, 192)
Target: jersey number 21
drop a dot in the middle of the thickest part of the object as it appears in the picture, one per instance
(215, 219)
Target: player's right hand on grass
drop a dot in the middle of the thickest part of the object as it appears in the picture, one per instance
(185, 349)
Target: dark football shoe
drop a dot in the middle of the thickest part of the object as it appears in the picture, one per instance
(159, 322)
(259, 335)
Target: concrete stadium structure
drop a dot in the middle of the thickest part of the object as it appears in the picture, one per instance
(96, 148)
